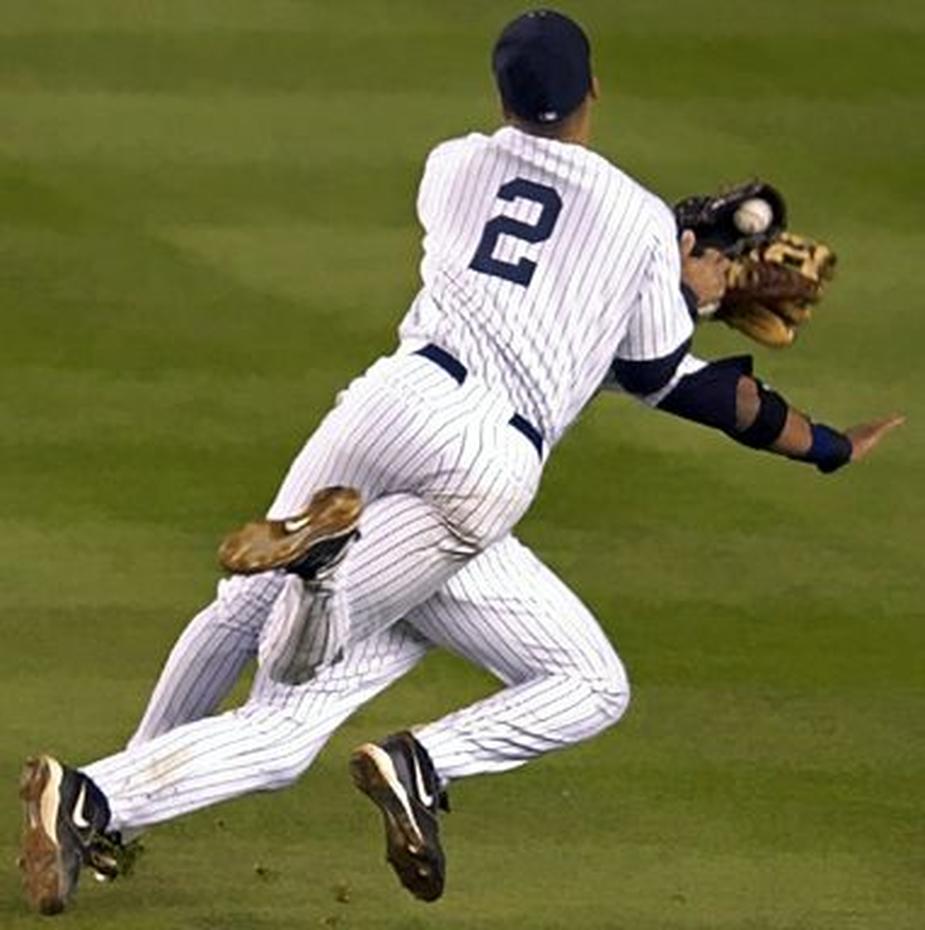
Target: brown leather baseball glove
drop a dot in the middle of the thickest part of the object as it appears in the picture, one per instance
(772, 288)
(774, 276)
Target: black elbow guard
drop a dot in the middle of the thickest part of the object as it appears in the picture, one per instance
(768, 423)
(709, 396)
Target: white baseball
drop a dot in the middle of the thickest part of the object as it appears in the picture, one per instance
(754, 216)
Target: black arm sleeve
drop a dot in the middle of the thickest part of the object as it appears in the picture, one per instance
(709, 397)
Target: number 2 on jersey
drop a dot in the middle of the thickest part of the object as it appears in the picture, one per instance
(520, 272)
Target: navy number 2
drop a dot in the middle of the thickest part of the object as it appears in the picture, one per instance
(520, 272)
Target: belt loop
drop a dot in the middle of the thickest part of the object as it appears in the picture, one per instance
(524, 426)
(452, 366)
(458, 372)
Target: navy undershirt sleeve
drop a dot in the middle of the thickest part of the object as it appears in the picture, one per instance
(649, 375)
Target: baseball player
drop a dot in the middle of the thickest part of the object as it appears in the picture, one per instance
(547, 272)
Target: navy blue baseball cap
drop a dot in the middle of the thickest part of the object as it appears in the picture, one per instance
(542, 64)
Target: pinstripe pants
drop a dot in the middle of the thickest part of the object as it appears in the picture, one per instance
(442, 474)
(435, 565)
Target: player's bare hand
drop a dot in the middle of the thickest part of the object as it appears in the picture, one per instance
(866, 436)
(704, 274)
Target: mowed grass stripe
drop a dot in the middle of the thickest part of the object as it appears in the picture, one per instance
(313, 59)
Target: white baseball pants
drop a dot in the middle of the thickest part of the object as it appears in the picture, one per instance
(445, 478)
(442, 474)
(505, 611)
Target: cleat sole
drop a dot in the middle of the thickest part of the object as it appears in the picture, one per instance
(331, 517)
(406, 848)
(44, 878)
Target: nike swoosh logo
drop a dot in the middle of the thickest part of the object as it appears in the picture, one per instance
(293, 526)
(77, 812)
(426, 797)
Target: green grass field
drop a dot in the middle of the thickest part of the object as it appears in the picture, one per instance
(206, 228)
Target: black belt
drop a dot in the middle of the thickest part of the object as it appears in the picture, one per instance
(458, 372)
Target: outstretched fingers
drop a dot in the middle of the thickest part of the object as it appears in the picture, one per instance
(866, 436)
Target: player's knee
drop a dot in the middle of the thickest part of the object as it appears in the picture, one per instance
(468, 530)
(247, 599)
(611, 689)
(613, 701)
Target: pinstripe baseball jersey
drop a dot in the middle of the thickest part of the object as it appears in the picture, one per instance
(542, 262)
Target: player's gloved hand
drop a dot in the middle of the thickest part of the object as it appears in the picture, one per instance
(773, 277)
(734, 220)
